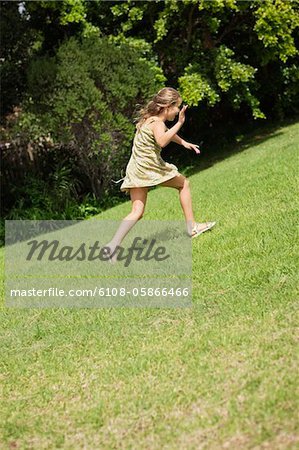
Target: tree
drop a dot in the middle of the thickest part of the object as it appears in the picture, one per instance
(80, 103)
(218, 52)
(17, 41)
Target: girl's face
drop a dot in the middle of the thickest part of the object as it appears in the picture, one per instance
(173, 110)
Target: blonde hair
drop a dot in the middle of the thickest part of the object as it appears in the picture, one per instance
(164, 98)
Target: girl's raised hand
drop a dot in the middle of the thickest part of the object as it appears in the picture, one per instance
(182, 114)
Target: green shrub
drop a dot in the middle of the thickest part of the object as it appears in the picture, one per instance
(77, 118)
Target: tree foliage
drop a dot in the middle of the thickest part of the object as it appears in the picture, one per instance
(17, 43)
(83, 100)
(216, 50)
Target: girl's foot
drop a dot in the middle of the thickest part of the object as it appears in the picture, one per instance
(199, 228)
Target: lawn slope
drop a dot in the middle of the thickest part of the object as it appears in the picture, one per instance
(219, 375)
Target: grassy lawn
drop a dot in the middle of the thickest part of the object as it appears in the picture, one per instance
(219, 375)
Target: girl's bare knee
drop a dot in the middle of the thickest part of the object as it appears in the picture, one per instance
(137, 212)
(186, 182)
(185, 185)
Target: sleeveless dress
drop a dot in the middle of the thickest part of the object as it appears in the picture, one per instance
(146, 167)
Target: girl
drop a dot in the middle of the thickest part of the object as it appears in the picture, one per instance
(146, 167)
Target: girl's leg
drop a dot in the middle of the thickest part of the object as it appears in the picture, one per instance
(138, 198)
(182, 184)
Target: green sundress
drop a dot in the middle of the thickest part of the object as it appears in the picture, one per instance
(146, 167)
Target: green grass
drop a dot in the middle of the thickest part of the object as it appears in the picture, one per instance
(220, 375)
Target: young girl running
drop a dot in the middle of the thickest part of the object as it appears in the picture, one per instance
(146, 167)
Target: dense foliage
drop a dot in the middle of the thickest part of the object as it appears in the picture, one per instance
(76, 118)
(223, 52)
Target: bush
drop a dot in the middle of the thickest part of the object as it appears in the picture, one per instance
(78, 112)
(91, 104)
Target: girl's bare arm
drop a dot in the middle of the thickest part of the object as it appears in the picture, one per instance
(178, 140)
(186, 144)
(163, 138)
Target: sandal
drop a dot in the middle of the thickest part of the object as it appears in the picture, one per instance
(200, 228)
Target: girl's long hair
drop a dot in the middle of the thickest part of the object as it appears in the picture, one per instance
(165, 97)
